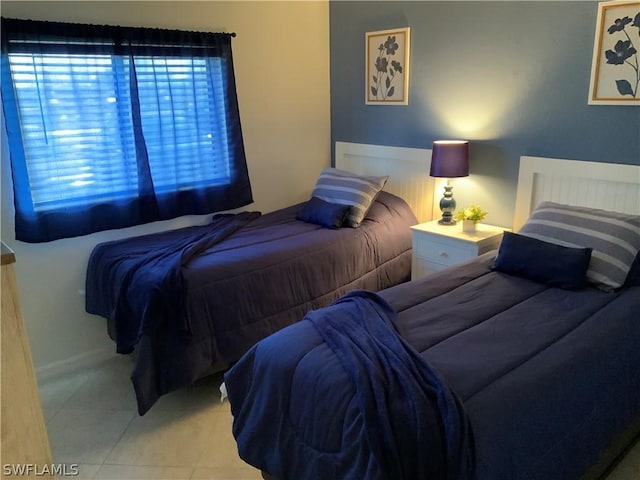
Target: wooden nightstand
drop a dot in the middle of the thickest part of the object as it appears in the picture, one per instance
(436, 247)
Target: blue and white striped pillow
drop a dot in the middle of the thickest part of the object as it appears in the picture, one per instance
(345, 188)
(614, 238)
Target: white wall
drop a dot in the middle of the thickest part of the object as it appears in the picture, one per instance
(281, 57)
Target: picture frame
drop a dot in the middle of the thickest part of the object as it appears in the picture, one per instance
(615, 67)
(387, 67)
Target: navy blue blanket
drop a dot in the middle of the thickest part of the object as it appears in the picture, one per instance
(394, 416)
(148, 286)
(148, 279)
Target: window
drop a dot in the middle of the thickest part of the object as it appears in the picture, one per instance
(78, 146)
(111, 127)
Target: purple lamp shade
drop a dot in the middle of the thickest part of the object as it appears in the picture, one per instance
(450, 158)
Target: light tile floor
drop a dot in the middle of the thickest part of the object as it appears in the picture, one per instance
(92, 421)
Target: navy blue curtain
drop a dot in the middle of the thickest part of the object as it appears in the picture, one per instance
(158, 163)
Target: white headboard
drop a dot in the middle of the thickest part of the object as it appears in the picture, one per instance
(609, 186)
(407, 168)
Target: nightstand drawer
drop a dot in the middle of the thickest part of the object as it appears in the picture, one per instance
(421, 267)
(443, 253)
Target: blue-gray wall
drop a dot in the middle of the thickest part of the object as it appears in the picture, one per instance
(511, 77)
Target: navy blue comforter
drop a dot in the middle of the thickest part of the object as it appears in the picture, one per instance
(548, 379)
(188, 299)
(402, 420)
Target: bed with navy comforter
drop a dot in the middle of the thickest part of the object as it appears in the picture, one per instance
(187, 299)
(469, 373)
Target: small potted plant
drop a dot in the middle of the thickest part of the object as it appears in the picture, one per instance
(470, 216)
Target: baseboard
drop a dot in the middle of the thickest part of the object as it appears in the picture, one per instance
(75, 363)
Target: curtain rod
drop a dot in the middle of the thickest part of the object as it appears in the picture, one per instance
(232, 34)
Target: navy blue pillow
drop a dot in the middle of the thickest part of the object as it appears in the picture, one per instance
(321, 212)
(544, 262)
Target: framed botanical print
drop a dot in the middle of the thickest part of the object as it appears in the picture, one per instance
(387, 67)
(615, 69)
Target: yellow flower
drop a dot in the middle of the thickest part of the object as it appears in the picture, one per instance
(472, 212)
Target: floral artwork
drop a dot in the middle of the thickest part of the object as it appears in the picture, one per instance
(387, 67)
(615, 71)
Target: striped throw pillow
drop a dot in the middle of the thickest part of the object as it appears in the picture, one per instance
(345, 188)
(614, 238)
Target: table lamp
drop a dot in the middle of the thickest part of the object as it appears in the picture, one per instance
(449, 159)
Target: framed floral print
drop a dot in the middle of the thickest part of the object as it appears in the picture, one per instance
(615, 69)
(387, 67)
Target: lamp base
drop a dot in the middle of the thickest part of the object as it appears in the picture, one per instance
(447, 221)
(447, 206)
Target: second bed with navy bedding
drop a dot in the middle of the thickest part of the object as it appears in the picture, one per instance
(547, 379)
